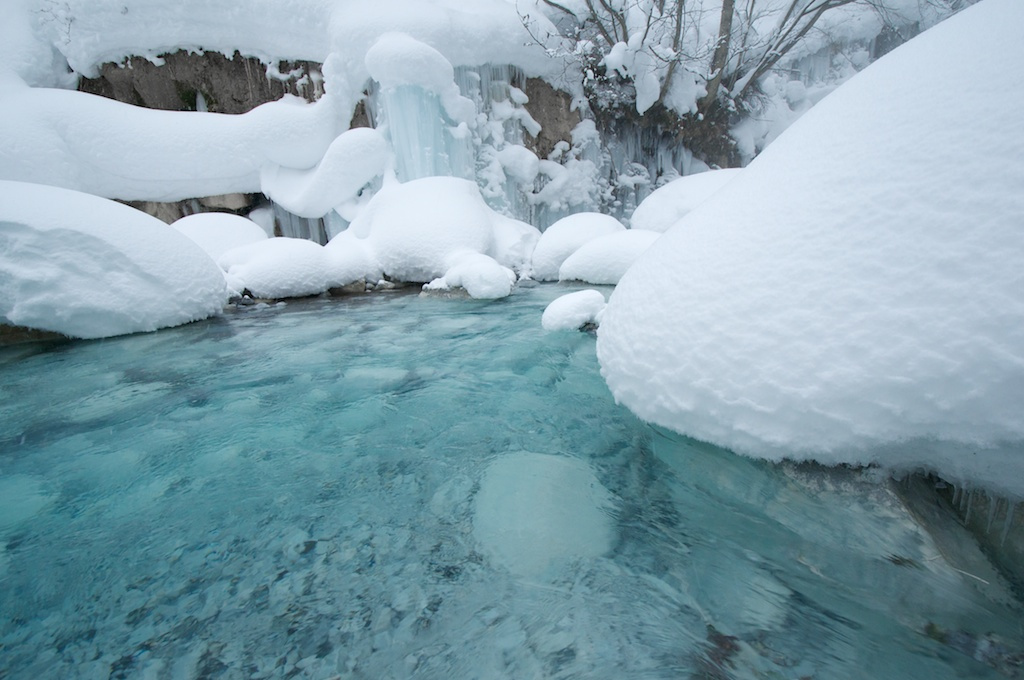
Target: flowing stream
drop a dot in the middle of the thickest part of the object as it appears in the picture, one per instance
(400, 486)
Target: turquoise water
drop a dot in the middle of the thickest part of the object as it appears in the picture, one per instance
(290, 491)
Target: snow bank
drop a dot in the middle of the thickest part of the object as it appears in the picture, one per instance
(534, 512)
(573, 311)
(99, 146)
(606, 258)
(91, 268)
(564, 237)
(280, 267)
(352, 161)
(666, 205)
(217, 233)
(855, 294)
(90, 33)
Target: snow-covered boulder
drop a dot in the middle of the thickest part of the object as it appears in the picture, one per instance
(514, 242)
(479, 275)
(605, 259)
(216, 233)
(439, 231)
(574, 311)
(668, 204)
(855, 294)
(91, 268)
(280, 267)
(564, 237)
(415, 228)
(351, 260)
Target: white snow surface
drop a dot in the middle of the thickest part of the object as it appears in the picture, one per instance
(90, 268)
(565, 237)
(91, 32)
(514, 241)
(534, 512)
(605, 259)
(572, 311)
(479, 275)
(855, 294)
(351, 162)
(280, 267)
(100, 146)
(437, 230)
(398, 59)
(668, 204)
(217, 233)
(417, 227)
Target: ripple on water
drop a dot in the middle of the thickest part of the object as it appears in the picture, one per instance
(339, 488)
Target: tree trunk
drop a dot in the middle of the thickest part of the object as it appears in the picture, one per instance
(721, 56)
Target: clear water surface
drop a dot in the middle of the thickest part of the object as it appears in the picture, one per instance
(290, 491)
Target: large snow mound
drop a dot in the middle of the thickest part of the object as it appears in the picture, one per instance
(668, 204)
(534, 512)
(90, 268)
(564, 237)
(855, 294)
(606, 259)
(436, 230)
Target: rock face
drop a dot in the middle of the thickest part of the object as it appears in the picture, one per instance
(552, 109)
(189, 82)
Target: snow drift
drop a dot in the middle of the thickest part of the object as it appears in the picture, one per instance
(90, 268)
(855, 294)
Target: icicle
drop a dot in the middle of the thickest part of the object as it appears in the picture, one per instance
(970, 505)
(294, 226)
(957, 492)
(1010, 510)
(993, 502)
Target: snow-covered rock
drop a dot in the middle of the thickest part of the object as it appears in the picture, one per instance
(351, 260)
(605, 259)
(564, 237)
(514, 241)
(440, 231)
(855, 294)
(574, 311)
(479, 275)
(534, 512)
(90, 268)
(280, 267)
(668, 204)
(216, 233)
